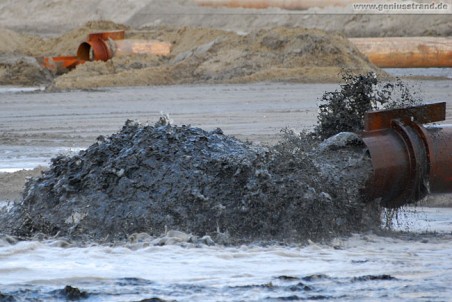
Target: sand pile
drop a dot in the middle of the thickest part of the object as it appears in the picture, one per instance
(17, 65)
(162, 177)
(215, 56)
(22, 70)
(199, 55)
(67, 43)
(13, 42)
(20, 53)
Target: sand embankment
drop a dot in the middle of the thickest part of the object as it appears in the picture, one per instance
(210, 45)
(199, 55)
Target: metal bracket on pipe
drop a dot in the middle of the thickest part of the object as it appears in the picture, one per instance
(422, 114)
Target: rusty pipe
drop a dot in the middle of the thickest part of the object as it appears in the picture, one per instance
(409, 160)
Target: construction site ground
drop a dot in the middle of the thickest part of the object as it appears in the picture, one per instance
(211, 47)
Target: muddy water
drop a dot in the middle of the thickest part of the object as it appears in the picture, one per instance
(361, 268)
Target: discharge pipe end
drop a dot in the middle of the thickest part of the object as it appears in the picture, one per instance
(409, 160)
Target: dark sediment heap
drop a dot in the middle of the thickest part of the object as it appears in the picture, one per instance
(163, 177)
(153, 178)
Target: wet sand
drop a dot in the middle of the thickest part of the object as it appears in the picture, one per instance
(256, 112)
(76, 118)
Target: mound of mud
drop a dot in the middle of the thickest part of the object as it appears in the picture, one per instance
(199, 55)
(156, 178)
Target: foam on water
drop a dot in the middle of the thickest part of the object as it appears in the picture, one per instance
(361, 268)
(423, 219)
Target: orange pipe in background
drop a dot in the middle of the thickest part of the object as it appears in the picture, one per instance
(129, 47)
(284, 4)
(97, 48)
(59, 65)
(94, 50)
(103, 46)
(406, 52)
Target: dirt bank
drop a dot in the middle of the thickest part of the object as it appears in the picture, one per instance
(199, 55)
